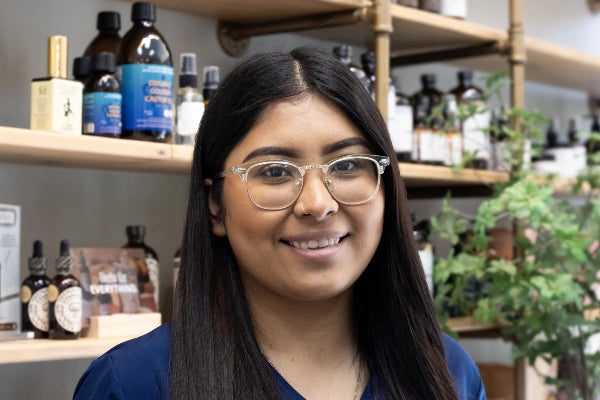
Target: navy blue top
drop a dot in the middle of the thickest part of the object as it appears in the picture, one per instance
(139, 369)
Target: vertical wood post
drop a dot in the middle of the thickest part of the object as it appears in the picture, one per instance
(383, 28)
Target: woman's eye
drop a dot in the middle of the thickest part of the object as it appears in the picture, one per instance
(345, 165)
(275, 171)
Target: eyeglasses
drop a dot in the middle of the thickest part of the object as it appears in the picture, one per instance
(276, 184)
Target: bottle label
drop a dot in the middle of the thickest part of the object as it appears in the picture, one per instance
(454, 148)
(454, 8)
(475, 139)
(189, 114)
(400, 125)
(426, 256)
(147, 96)
(68, 309)
(102, 113)
(153, 274)
(37, 310)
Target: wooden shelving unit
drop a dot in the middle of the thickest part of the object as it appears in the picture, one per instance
(44, 148)
(414, 31)
(34, 350)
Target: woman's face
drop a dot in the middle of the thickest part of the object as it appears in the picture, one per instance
(268, 244)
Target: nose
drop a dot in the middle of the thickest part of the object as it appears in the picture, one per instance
(315, 199)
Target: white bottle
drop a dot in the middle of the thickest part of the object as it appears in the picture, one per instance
(400, 122)
(189, 101)
(454, 8)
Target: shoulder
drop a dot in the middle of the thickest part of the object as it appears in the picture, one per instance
(135, 369)
(464, 371)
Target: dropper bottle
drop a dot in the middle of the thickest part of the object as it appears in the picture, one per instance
(64, 297)
(34, 295)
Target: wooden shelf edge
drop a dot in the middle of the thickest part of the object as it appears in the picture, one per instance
(469, 324)
(35, 350)
(420, 175)
(263, 11)
(25, 146)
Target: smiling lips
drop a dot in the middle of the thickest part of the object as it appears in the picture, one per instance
(315, 244)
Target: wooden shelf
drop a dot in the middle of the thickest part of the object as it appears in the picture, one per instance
(469, 327)
(44, 148)
(415, 31)
(34, 350)
(256, 11)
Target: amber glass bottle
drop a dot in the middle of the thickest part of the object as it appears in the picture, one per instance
(475, 139)
(108, 24)
(102, 98)
(64, 297)
(34, 295)
(145, 70)
(149, 280)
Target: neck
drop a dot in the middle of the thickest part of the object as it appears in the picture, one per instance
(312, 344)
(314, 330)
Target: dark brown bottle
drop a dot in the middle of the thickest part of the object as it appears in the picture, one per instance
(592, 145)
(102, 98)
(475, 140)
(430, 5)
(108, 24)
(64, 297)
(148, 280)
(145, 71)
(34, 295)
(211, 83)
(426, 99)
(81, 68)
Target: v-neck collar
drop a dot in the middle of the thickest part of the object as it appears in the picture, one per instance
(289, 393)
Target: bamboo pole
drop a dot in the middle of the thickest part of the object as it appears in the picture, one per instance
(383, 28)
(517, 94)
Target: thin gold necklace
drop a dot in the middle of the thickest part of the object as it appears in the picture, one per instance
(357, 394)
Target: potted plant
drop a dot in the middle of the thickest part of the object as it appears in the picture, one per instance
(545, 297)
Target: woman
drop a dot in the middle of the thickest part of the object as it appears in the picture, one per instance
(299, 274)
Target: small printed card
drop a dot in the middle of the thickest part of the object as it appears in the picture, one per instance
(113, 281)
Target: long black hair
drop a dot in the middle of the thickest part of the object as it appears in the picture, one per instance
(215, 354)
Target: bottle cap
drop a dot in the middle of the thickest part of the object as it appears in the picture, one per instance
(37, 262)
(465, 76)
(64, 262)
(188, 64)
(135, 231)
(108, 21)
(343, 51)
(188, 75)
(143, 11)
(211, 76)
(103, 62)
(57, 56)
(81, 68)
(428, 79)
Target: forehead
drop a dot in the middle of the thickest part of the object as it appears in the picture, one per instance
(307, 126)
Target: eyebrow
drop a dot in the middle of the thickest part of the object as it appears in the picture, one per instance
(291, 153)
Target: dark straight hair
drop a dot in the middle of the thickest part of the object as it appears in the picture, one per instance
(214, 353)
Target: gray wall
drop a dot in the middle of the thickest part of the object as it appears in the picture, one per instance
(91, 207)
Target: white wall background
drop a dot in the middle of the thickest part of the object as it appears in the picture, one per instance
(92, 208)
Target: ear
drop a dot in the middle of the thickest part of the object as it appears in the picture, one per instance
(216, 215)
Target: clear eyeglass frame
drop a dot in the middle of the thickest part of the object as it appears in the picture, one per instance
(242, 171)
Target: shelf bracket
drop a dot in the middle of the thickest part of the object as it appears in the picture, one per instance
(235, 38)
(486, 48)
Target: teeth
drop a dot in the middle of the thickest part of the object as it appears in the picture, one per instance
(315, 244)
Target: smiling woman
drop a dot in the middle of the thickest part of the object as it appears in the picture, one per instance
(299, 277)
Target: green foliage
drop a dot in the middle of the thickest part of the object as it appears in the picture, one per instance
(540, 297)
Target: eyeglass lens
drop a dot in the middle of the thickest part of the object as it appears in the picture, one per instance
(276, 185)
